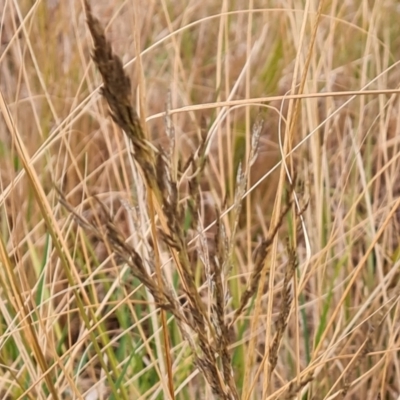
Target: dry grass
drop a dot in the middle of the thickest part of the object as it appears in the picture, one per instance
(223, 222)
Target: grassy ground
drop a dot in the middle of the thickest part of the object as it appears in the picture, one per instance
(232, 232)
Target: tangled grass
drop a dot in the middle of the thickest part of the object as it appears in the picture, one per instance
(206, 241)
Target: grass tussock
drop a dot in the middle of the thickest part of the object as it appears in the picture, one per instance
(231, 232)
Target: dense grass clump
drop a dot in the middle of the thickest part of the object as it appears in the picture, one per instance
(221, 223)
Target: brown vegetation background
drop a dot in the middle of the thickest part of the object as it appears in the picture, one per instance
(309, 310)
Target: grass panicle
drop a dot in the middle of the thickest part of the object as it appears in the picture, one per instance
(211, 329)
(285, 308)
(260, 259)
